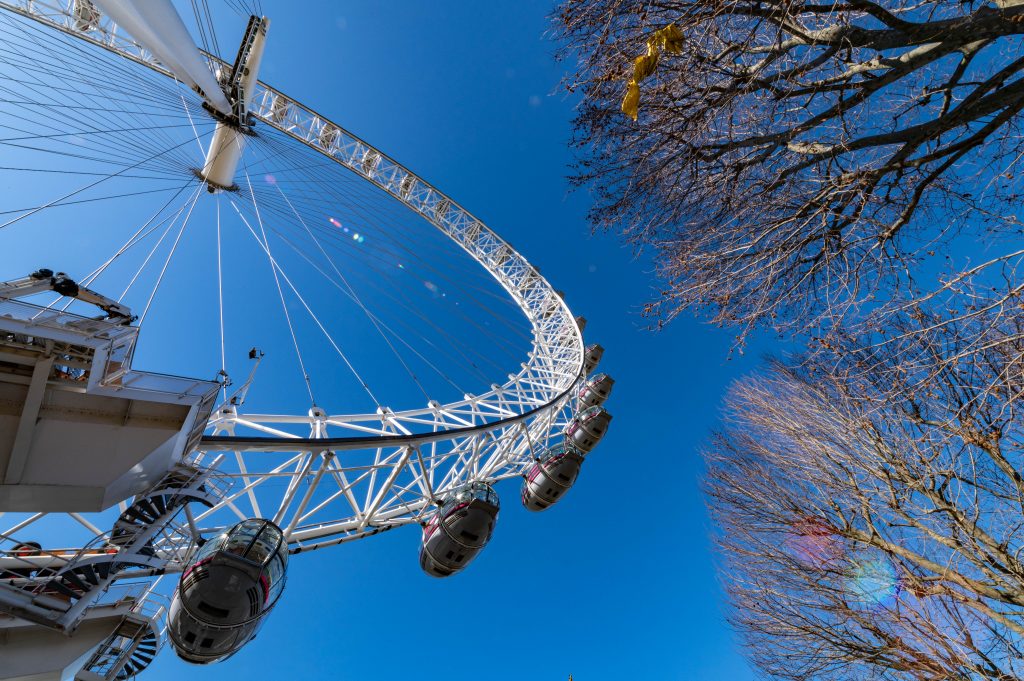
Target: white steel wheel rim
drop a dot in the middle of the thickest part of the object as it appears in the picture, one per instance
(410, 456)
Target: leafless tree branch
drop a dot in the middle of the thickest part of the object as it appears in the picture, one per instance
(800, 164)
(870, 507)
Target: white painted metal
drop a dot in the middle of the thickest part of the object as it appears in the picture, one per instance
(326, 478)
(156, 25)
(31, 652)
(556, 361)
(222, 157)
(85, 442)
(229, 139)
(373, 482)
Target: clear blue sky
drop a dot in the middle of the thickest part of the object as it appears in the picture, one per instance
(617, 581)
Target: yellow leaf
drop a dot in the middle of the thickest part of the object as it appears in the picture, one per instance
(631, 102)
(644, 66)
(668, 39)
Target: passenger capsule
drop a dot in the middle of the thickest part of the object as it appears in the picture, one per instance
(591, 356)
(227, 590)
(587, 428)
(595, 390)
(459, 529)
(551, 476)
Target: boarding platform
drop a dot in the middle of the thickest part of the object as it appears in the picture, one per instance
(80, 429)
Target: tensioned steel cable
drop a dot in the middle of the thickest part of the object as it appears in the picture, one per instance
(167, 261)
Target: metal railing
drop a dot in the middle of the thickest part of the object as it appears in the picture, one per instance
(147, 615)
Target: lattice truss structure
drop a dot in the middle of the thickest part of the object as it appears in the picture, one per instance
(330, 478)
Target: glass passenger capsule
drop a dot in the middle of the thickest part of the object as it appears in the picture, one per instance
(595, 390)
(458, 530)
(591, 356)
(587, 428)
(551, 476)
(231, 584)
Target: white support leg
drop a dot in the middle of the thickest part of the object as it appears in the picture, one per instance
(222, 158)
(229, 139)
(27, 423)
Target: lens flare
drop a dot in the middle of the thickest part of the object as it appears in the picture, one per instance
(269, 179)
(334, 222)
(815, 543)
(874, 583)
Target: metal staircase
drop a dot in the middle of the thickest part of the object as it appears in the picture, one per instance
(55, 589)
(131, 647)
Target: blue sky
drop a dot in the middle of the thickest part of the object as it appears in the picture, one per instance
(615, 582)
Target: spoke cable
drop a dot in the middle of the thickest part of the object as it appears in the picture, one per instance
(316, 320)
(220, 302)
(280, 292)
(355, 297)
(174, 248)
(86, 187)
(163, 236)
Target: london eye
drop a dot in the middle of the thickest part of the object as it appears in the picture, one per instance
(162, 196)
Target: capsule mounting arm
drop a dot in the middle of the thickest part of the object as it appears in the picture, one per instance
(44, 280)
(228, 141)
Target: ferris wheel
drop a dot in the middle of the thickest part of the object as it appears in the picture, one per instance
(168, 211)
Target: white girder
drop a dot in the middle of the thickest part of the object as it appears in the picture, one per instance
(557, 359)
(408, 456)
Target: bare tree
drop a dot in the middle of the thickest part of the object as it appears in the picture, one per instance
(795, 160)
(871, 507)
